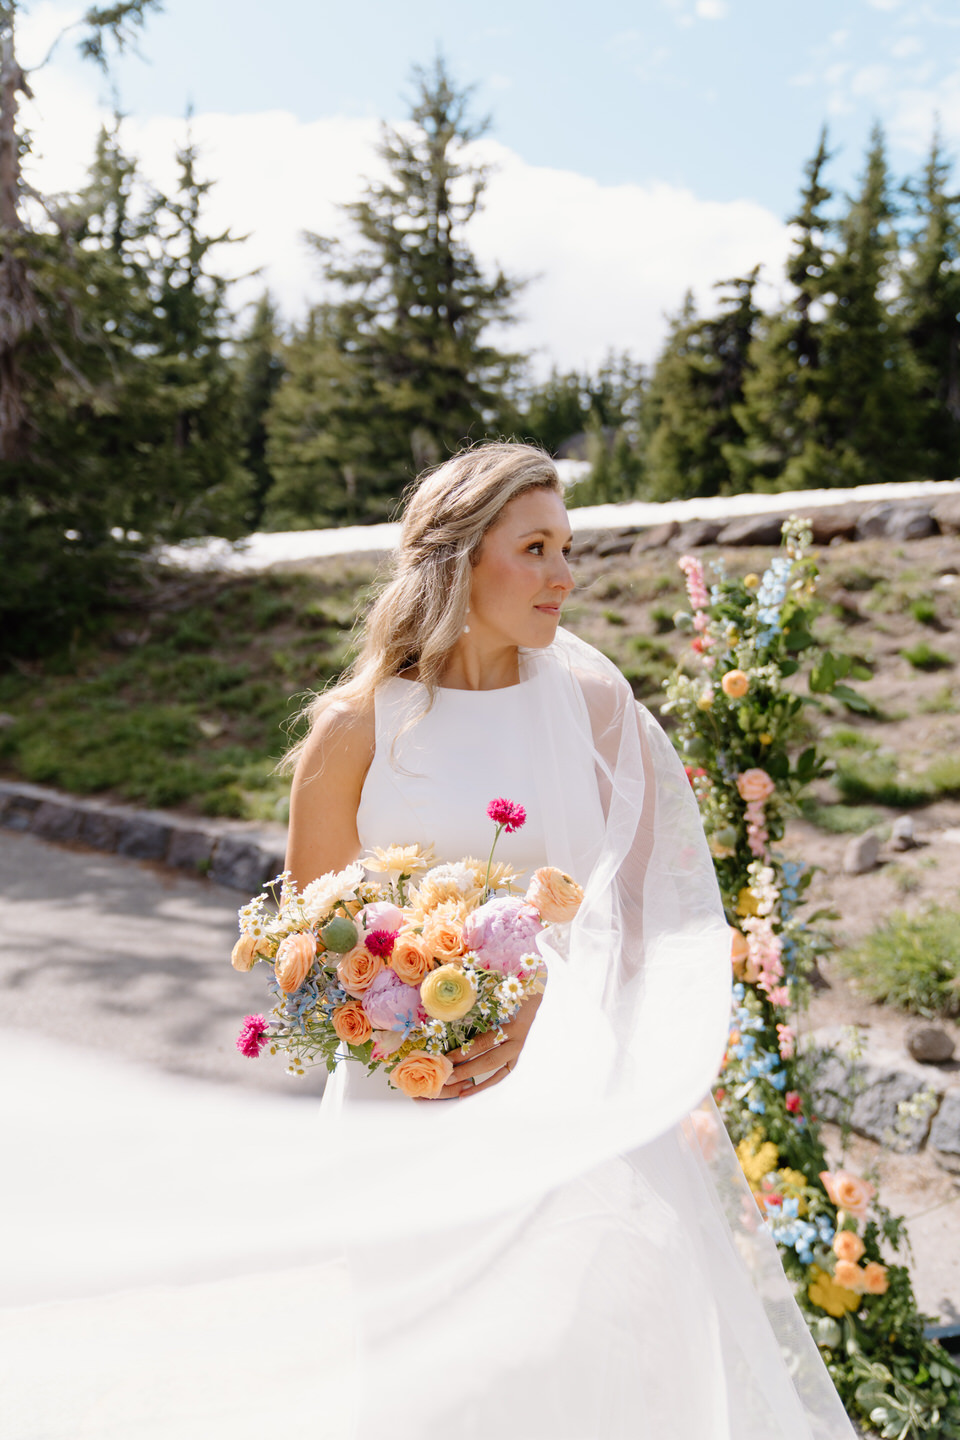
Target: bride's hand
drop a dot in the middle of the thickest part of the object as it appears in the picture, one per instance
(484, 1062)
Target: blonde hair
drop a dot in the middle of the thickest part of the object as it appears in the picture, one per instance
(419, 615)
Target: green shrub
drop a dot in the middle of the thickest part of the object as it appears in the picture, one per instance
(877, 778)
(944, 775)
(941, 703)
(842, 819)
(613, 617)
(662, 617)
(921, 657)
(923, 610)
(911, 962)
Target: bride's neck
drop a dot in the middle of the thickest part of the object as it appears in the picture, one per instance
(473, 666)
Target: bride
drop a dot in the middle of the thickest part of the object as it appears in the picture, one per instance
(571, 1254)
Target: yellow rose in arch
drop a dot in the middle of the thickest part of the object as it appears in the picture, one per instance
(448, 993)
(746, 902)
(824, 1291)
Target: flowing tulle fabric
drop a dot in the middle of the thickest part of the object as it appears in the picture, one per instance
(564, 1255)
(564, 1252)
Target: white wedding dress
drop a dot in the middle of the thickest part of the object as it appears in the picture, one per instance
(616, 1303)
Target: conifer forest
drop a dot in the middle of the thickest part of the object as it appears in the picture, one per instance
(139, 406)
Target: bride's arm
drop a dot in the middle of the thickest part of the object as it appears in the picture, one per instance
(325, 794)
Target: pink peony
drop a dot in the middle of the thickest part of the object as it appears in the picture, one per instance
(380, 916)
(253, 1036)
(501, 933)
(385, 1042)
(391, 1005)
(506, 813)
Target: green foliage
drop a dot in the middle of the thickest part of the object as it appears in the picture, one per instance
(194, 714)
(397, 373)
(689, 418)
(911, 962)
(922, 657)
(878, 778)
(923, 610)
(841, 819)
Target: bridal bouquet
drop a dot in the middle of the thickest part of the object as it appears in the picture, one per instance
(398, 970)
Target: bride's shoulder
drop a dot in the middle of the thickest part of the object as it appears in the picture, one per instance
(343, 735)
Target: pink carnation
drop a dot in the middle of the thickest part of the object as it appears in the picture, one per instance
(506, 813)
(253, 1036)
(391, 1005)
(381, 942)
(501, 933)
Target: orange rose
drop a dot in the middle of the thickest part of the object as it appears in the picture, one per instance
(755, 785)
(739, 949)
(244, 953)
(874, 1278)
(351, 1024)
(422, 1076)
(410, 959)
(848, 1275)
(555, 896)
(294, 957)
(442, 936)
(358, 969)
(848, 1192)
(847, 1246)
(735, 684)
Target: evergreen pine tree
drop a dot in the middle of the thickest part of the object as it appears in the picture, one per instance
(780, 416)
(697, 385)
(870, 407)
(930, 310)
(259, 371)
(411, 375)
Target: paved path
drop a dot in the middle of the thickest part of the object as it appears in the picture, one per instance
(130, 958)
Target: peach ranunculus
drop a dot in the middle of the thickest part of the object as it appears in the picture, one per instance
(735, 684)
(448, 993)
(755, 785)
(411, 959)
(700, 1126)
(442, 935)
(849, 1275)
(874, 1278)
(422, 1076)
(358, 969)
(848, 1192)
(739, 949)
(555, 896)
(847, 1246)
(244, 954)
(295, 955)
(351, 1024)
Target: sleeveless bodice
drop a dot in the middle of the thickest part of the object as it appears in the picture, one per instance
(431, 783)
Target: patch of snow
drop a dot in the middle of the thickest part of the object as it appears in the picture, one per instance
(261, 550)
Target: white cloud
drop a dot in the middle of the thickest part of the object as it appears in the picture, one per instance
(885, 4)
(906, 46)
(711, 9)
(613, 258)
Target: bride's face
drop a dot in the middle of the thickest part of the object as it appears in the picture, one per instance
(522, 576)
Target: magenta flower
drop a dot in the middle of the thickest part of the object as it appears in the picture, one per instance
(253, 1036)
(507, 814)
(381, 942)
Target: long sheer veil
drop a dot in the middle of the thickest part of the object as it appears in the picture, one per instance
(519, 1252)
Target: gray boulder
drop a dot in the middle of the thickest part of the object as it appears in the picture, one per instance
(946, 512)
(861, 853)
(945, 1130)
(656, 537)
(890, 520)
(903, 836)
(752, 530)
(930, 1044)
(834, 522)
(696, 533)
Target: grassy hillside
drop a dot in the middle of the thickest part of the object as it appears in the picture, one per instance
(186, 702)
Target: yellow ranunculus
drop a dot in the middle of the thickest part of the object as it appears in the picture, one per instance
(746, 902)
(835, 1299)
(751, 581)
(757, 1157)
(448, 993)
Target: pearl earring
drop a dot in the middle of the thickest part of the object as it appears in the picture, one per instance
(466, 628)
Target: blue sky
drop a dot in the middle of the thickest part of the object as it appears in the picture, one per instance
(679, 126)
